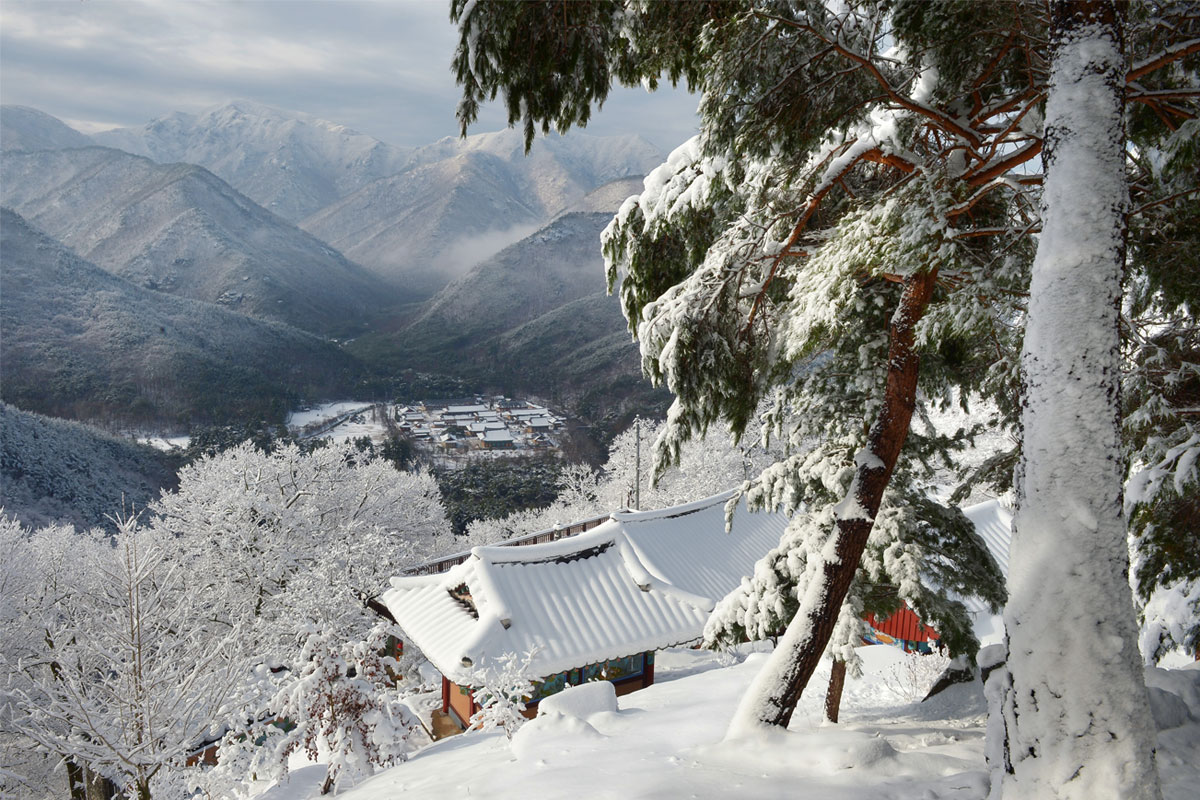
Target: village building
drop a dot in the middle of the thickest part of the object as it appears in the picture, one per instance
(497, 440)
(904, 629)
(594, 606)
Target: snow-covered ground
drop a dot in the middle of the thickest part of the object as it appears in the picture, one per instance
(361, 422)
(324, 412)
(666, 742)
(165, 443)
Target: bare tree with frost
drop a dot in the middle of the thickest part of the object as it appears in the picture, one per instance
(345, 708)
(288, 539)
(127, 681)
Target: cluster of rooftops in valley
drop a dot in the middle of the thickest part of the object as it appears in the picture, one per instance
(476, 424)
(596, 599)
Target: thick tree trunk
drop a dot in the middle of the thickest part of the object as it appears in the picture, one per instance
(1070, 711)
(100, 787)
(833, 696)
(772, 698)
(76, 781)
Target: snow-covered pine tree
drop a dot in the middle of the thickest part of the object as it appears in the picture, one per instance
(860, 169)
(1161, 339)
(847, 228)
(919, 553)
(1073, 717)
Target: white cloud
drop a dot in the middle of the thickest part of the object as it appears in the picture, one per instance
(382, 68)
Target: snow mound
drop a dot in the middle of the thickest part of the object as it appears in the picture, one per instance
(581, 701)
(562, 721)
(552, 734)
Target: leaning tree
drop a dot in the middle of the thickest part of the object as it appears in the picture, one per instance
(849, 236)
(848, 228)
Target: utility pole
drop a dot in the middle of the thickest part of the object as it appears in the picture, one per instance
(637, 468)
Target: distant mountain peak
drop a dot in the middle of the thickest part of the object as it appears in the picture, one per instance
(25, 128)
(288, 161)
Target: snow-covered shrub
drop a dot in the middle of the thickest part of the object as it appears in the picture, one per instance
(505, 689)
(345, 709)
(911, 678)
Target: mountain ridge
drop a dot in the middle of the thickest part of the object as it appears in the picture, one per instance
(79, 342)
(179, 228)
(288, 162)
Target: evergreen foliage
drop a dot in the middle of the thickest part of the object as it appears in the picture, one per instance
(52, 470)
(1161, 340)
(859, 201)
(495, 488)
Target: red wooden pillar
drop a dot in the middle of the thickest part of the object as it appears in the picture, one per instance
(445, 695)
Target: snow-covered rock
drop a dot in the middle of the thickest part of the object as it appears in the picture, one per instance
(581, 701)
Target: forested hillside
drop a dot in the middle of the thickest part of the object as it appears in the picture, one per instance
(533, 318)
(180, 229)
(78, 342)
(52, 470)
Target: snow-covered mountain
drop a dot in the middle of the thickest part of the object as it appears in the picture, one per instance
(24, 128)
(422, 228)
(467, 199)
(607, 198)
(535, 316)
(76, 341)
(291, 163)
(543, 271)
(558, 170)
(180, 229)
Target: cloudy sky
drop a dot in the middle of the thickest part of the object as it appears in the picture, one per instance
(379, 67)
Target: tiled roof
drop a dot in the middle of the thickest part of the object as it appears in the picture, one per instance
(642, 581)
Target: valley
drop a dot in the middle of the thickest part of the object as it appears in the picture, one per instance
(456, 259)
(199, 279)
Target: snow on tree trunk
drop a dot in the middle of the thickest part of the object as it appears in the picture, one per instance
(1075, 721)
(773, 695)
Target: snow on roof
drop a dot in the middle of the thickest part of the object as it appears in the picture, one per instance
(532, 411)
(466, 409)
(497, 436)
(993, 522)
(687, 545)
(641, 581)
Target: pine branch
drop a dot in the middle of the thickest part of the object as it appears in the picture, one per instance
(1160, 60)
